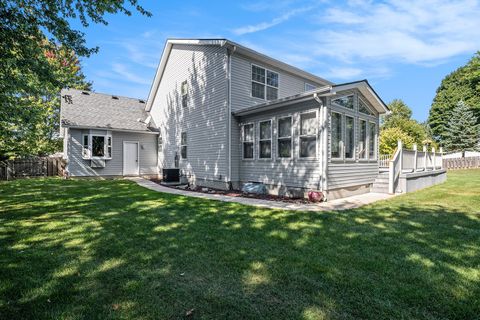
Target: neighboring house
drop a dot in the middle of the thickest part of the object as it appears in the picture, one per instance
(226, 115)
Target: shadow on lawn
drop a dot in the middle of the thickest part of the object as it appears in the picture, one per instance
(110, 249)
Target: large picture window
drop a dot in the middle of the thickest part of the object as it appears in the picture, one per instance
(96, 146)
(349, 137)
(308, 135)
(372, 154)
(247, 138)
(336, 136)
(362, 140)
(284, 141)
(265, 140)
(264, 83)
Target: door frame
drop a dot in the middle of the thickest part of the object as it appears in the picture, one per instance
(138, 156)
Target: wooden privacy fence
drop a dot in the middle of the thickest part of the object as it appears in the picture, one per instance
(31, 167)
(461, 163)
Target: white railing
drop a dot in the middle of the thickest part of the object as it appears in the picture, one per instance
(405, 160)
(384, 160)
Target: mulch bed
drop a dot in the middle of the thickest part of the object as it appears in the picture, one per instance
(234, 193)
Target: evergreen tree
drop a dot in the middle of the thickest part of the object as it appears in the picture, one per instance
(461, 85)
(462, 130)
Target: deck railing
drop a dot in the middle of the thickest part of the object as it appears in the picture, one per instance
(405, 161)
(384, 160)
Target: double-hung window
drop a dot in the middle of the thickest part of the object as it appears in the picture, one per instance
(183, 145)
(160, 142)
(308, 135)
(265, 139)
(349, 137)
(247, 139)
(284, 141)
(96, 146)
(372, 154)
(184, 92)
(362, 140)
(336, 135)
(264, 83)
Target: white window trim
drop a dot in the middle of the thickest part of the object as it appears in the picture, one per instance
(243, 141)
(284, 138)
(301, 136)
(360, 139)
(309, 84)
(375, 142)
(105, 145)
(264, 84)
(340, 106)
(341, 142)
(345, 138)
(271, 139)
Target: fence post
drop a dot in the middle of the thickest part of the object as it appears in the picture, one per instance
(425, 158)
(433, 157)
(400, 147)
(441, 157)
(415, 158)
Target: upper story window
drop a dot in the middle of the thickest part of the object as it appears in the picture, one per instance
(184, 92)
(96, 146)
(247, 139)
(345, 101)
(308, 135)
(309, 87)
(284, 141)
(264, 83)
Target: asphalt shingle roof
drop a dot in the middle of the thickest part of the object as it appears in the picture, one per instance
(97, 110)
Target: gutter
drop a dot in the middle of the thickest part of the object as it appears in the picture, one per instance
(322, 140)
(230, 51)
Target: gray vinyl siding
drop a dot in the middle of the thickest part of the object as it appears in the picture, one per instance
(292, 172)
(288, 84)
(114, 167)
(241, 98)
(348, 173)
(204, 119)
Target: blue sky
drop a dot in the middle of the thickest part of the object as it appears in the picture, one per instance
(404, 48)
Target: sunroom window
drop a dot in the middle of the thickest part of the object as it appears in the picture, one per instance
(362, 107)
(265, 140)
(284, 144)
(372, 141)
(264, 83)
(336, 139)
(345, 101)
(247, 137)
(308, 135)
(362, 140)
(349, 138)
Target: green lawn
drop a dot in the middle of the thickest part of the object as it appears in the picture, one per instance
(111, 249)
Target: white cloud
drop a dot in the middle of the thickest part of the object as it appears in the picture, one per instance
(123, 71)
(401, 31)
(266, 25)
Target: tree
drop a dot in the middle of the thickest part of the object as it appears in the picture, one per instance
(389, 140)
(462, 131)
(406, 128)
(34, 130)
(462, 84)
(26, 73)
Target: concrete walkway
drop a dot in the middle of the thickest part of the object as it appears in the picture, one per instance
(338, 204)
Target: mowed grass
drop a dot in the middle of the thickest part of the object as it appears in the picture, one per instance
(109, 249)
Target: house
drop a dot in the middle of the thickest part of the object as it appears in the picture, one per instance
(226, 115)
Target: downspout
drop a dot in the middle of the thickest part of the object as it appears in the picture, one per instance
(322, 133)
(230, 51)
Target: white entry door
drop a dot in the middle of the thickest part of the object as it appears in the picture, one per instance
(130, 158)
